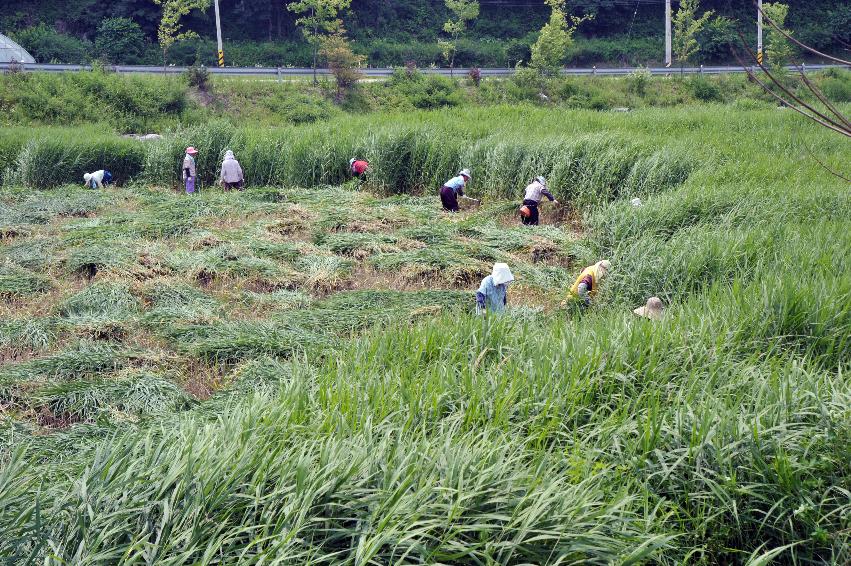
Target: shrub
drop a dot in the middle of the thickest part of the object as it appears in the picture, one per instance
(198, 76)
(127, 103)
(704, 90)
(520, 50)
(120, 40)
(426, 91)
(638, 80)
(634, 51)
(344, 64)
(48, 46)
(836, 85)
(298, 108)
(717, 38)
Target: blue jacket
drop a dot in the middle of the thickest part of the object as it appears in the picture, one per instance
(491, 297)
(457, 184)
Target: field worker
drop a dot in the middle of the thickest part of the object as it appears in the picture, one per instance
(454, 188)
(358, 167)
(97, 179)
(652, 310)
(534, 192)
(586, 285)
(231, 175)
(189, 169)
(492, 295)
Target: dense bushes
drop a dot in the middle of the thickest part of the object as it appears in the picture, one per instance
(425, 91)
(837, 85)
(133, 103)
(120, 40)
(126, 103)
(48, 46)
(619, 51)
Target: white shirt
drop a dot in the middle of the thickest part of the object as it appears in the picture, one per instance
(535, 191)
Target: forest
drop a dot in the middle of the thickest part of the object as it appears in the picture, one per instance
(263, 32)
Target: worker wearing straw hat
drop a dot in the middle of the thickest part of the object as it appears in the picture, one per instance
(189, 169)
(452, 189)
(586, 285)
(536, 191)
(652, 310)
(492, 295)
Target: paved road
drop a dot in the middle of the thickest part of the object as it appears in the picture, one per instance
(385, 72)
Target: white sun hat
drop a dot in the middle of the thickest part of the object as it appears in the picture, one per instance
(605, 265)
(652, 310)
(466, 173)
(541, 180)
(501, 274)
(352, 161)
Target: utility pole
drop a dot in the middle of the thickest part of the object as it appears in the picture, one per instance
(759, 32)
(668, 59)
(221, 53)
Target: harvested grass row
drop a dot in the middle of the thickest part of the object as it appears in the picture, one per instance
(129, 396)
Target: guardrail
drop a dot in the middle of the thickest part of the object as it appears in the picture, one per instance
(281, 72)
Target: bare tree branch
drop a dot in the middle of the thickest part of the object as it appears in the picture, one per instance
(820, 95)
(785, 102)
(796, 42)
(834, 125)
(825, 167)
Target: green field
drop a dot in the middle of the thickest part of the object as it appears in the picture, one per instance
(295, 374)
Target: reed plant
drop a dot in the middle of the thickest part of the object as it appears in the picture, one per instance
(274, 398)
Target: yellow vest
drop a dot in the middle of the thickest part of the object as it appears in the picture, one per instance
(592, 271)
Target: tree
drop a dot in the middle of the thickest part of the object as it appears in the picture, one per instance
(120, 39)
(343, 62)
(318, 20)
(686, 28)
(777, 48)
(549, 52)
(463, 11)
(169, 29)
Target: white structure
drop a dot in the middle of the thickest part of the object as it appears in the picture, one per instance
(11, 51)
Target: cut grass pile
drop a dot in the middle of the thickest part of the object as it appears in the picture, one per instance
(17, 281)
(276, 395)
(186, 291)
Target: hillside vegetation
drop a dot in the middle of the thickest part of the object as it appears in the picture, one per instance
(294, 373)
(109, 102)
(263, 32)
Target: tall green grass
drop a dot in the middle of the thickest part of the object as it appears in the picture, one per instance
(410, 158)
(381, 426)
